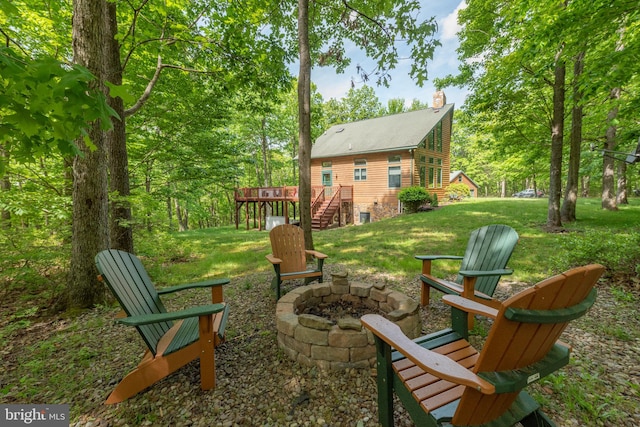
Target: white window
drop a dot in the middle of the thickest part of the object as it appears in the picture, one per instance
(360, 170)
(395, 177)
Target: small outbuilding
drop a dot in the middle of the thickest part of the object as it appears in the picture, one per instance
(459, 177)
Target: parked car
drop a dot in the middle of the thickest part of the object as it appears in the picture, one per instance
(529, 193)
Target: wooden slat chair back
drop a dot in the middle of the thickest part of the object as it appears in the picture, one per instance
(287, 243)
(173, 339)
(289, 256)
(132, 287)
(485, 260)
(489, 248)
(442, 380)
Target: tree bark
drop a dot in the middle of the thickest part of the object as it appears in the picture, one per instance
(608, 162)
(568, 212)
(5, 187)
(585, 183)
(557, 129)
(264, 145)
(90, 229)
(121, 233)
(304, 122)
(621, 195)
(181, 215)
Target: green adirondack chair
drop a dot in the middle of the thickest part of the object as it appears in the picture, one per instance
(173, 338)
(442, 380)
(484, 262)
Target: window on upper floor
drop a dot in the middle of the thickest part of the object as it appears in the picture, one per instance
(360, 170)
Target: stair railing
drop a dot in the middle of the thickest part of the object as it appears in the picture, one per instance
(317, 202)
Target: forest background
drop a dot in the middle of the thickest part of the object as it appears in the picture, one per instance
(209, 105)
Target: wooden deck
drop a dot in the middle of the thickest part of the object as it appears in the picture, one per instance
(260, 202)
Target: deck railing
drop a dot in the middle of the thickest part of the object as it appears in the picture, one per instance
(318, 193)
(266, 193)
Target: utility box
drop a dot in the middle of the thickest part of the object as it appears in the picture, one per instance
(273, 221)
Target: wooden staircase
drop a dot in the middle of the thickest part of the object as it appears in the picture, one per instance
(325, 213)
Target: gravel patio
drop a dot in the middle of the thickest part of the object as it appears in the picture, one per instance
(78, 361)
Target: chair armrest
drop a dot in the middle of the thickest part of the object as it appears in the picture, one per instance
(434, 257)
(436, 364)
(147, 319)
(470, 306)
(479, 273)
(204, 284)
(316, 254)
(273, 260)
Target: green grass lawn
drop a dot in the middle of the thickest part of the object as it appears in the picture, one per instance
(610, 238)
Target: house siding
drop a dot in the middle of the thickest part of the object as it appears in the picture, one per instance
(372, 195)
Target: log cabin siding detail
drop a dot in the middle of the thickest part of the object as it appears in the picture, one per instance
(371, 143)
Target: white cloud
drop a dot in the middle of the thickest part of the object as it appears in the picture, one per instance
(445, 61)
(449, 26)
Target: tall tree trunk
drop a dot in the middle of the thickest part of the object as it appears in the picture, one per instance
(147, 189)
(621, 195)
(294, 154)
(121, 232)
(264, 145)
(557, 129)
(304, 122)
(585, 183)
(266, 178)
(181, 216)
(608, 162)
(5, 186)
(568, 212)
(169, 211)
(90, 230)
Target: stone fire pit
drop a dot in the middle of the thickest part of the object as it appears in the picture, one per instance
(312, 340)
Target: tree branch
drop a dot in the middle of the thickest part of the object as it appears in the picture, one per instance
(374, 21)
(156, 76)
(147, 92)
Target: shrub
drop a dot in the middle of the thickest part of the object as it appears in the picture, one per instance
(413, 198)
(457, 191)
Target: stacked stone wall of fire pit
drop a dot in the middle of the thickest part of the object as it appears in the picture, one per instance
(313, 340)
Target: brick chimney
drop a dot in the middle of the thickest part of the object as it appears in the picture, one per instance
(439, 99)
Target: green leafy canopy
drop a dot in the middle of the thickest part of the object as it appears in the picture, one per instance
(46, 105)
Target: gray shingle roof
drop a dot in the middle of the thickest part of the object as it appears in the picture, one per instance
(454, 174)
(388, 133)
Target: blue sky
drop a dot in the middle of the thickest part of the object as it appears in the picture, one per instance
(333, 85)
